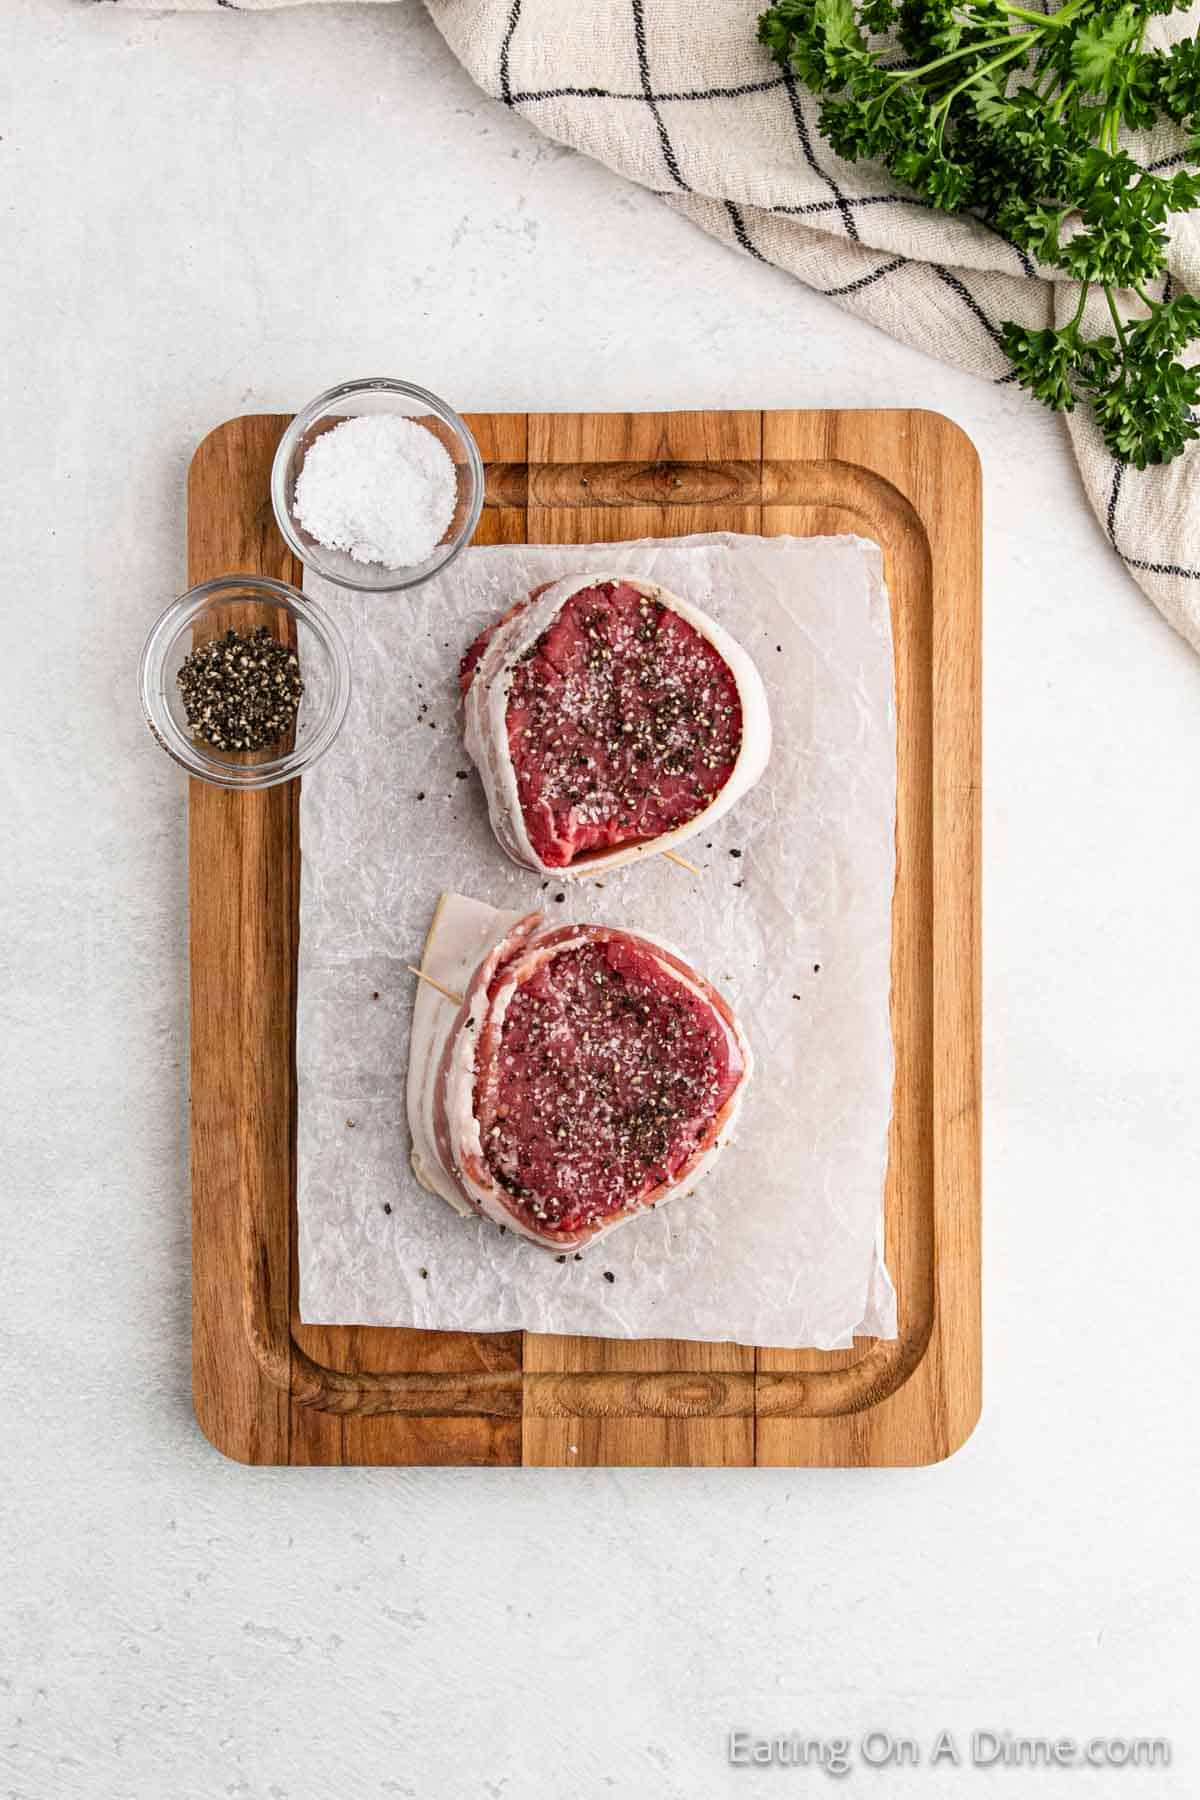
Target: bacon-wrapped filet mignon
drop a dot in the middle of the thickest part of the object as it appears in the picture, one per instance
(589, 1072)
(609, 720)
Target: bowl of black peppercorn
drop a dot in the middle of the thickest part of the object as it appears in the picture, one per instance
(244, 681)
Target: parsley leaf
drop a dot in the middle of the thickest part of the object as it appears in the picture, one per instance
(1017, 117)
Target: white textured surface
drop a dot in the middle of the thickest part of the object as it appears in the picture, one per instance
(204, 215)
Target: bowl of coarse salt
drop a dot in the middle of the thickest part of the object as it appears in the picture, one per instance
(377, 485)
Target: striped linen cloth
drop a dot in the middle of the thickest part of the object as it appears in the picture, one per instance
(681, 98)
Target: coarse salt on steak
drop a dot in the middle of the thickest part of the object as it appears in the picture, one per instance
(589, 1072)
(609, 720)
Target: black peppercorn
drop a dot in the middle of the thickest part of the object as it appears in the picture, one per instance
(241, 691)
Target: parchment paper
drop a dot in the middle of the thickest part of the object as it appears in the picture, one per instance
(781, 1244)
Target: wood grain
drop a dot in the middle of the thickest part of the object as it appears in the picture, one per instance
(909, 480)
(271, 1390)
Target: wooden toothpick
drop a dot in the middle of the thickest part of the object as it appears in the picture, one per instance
(446, 993)
(682, 862)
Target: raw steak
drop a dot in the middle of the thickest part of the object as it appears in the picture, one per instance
(609, 720)
(589, 1073)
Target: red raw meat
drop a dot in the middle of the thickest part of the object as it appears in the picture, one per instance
(588, 1074)
(622, 723)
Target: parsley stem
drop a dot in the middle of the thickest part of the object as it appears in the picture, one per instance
(1039, 19)
(1085, 288)
(1025, 42)
(1055, 21)
(943, 106)
(1116, 317)
(1064, 95)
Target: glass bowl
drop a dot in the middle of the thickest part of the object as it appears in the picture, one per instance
(352, 399)
(240, 602)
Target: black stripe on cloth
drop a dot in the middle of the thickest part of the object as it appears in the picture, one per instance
(532, 95)
(952, 281)
(1027, 267)
(865, 281)
(1113, 497)
(968, 299)
(820, 206)
(842, 202)
(801, 124)
(1150, 568)
(1137, 562)
(1169, 162)
(664, 136)
(514, 14)
(741, 234)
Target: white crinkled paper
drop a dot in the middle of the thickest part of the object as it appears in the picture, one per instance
(781, 1244)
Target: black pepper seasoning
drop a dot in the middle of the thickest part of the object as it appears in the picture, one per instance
(241, 691)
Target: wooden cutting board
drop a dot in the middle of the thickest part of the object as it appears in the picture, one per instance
(269, 1389)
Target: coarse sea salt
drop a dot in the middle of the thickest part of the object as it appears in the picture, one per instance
(380, 487)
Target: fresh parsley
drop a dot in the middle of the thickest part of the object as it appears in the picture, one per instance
(1015, 116)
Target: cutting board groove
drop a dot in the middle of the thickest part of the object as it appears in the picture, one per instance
(269, 1389)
